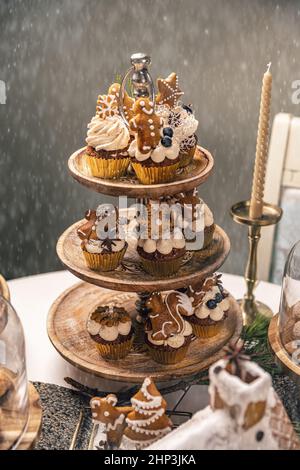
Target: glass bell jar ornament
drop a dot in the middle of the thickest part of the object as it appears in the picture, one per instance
(14, 403)
(289, 314)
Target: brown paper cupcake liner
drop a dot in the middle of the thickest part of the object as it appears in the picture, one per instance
(168, 357)
(185, 158)
(107, 167)
(155, 174)
(115, 351)
(211, 250)
(208, 235)
(162, 268)
(207, 331)
(104, 261)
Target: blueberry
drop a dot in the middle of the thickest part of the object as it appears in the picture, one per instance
(259, 436)
(187, 108)
(218, 298)
(168, 131)
(166, 141)
(211, 304)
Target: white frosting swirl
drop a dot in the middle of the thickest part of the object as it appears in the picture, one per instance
(107, 134)
(175, 341)
(158, 155)
(208, 216)
(216, 314)
(187, 127)
(162, 246)
(109, 333)
(94, 246)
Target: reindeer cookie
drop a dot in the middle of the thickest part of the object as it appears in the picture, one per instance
(146, 125)
(128, 102)
(105, 411)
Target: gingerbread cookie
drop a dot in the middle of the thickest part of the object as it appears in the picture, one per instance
(165, 314)
(146, 125)
(105, 411)
(168, 91)
(88, 229)
(128, 102)
(107, 105)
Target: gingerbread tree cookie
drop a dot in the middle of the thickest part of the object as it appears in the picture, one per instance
(169, 91)
(146, 125)
(147, 422)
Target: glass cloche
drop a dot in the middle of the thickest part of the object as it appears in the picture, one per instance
(14, 405)
(289, 314)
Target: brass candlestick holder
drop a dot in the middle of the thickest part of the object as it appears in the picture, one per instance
(271, 215)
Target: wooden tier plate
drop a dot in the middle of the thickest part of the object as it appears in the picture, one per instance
(67, 332)
(130, 277)
(186, 179)
(33, 427)
(281, 355)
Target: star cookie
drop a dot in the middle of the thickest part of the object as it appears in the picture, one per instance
(168, 90)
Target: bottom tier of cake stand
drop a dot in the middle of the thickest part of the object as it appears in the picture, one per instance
(67, 332)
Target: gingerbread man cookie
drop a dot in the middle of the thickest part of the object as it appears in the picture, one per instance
(168, 90)
(128, 102)
(146, 125)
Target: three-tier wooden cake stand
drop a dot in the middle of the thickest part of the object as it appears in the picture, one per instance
(129, 286)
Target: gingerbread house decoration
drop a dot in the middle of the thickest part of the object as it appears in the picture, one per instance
(244, 413)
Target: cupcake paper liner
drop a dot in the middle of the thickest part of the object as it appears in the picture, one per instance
(115, 351)
(162, 268)
(208, 235)
(155, 174)
(186, 157)
(168, 357)
(104, 261)
(206, 331)
(107, 167)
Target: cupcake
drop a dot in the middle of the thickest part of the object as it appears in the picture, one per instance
(106, 154)
(179, 117)
(211, 306)
(162, 257)
(167, 334)
(154, 153)
(101, 247)
(197, 221)
(111, 329)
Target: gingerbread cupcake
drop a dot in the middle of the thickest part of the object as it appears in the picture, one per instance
(168, 335)
(111, 329)
(154, 153)
(197, 221)
(211, 306)
(101, 247)
(162, 257)
(106, 154)
(179, 117)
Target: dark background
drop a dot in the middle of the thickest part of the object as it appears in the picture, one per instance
(57, 56)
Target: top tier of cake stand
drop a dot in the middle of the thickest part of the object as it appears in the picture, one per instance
(186, 179)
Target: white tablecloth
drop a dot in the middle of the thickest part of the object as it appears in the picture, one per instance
(32, 297)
